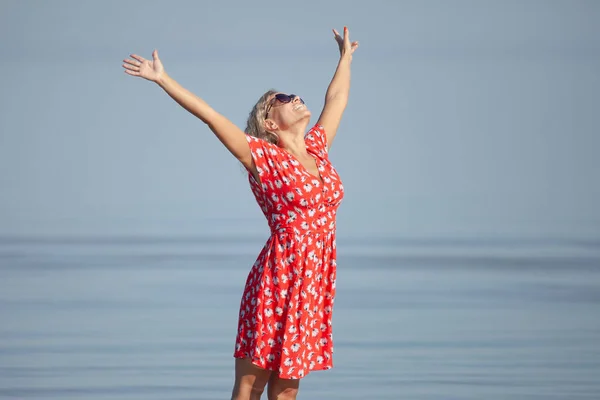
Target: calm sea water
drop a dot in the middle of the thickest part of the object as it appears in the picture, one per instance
(155, 318)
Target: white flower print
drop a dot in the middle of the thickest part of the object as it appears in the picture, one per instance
(288, 299)
(320, 359)
(291, 216)
(288, 362)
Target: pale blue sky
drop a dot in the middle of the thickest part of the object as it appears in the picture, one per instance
(465, 117)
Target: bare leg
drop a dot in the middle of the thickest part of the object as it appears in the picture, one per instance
(250, 380)
(282, 389)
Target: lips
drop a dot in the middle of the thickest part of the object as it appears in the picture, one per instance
(299, 106)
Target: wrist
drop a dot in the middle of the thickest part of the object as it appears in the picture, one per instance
(161, 80)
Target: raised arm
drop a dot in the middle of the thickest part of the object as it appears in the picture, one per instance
(228, 133)
(338, 91)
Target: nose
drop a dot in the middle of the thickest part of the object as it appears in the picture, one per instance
(295, 98)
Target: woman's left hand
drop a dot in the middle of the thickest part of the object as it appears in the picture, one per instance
(346, 48)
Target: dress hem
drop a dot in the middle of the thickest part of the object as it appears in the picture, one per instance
(255, 361)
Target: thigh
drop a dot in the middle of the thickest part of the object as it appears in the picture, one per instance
(282, 389)
(250, 380)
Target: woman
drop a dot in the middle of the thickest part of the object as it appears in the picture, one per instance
(284, 329)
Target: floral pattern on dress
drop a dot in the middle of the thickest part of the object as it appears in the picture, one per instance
(286, 308)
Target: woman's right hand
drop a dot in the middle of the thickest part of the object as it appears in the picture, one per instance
(139, 66)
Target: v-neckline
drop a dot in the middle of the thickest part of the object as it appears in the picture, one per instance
(318, 177)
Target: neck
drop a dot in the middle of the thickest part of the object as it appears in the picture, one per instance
(292, 139)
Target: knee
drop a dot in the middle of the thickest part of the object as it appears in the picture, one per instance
(286, 394)
(247, 392)
(256, 392)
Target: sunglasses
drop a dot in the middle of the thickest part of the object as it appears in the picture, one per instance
(282, 98)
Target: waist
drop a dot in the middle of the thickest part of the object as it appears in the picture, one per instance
(302, 230)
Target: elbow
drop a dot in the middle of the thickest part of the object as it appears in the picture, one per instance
(337, 98)
(338, 94)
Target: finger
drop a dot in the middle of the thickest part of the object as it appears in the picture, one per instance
(346, 35)
(337, 37)
(130, 67)
(132, 73)
(155, 54)
(132, 62)
(139, 58)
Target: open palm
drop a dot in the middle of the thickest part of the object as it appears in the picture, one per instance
(346, 47)
(147, 69)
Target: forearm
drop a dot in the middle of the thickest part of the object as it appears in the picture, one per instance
(339, 88)
(186, 99)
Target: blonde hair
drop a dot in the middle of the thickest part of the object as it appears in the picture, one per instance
(255, 125)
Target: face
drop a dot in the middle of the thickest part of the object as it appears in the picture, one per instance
(286, 110)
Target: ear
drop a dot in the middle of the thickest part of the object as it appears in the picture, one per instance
(270, 125)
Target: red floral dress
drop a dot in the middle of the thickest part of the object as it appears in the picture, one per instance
(285, 311)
